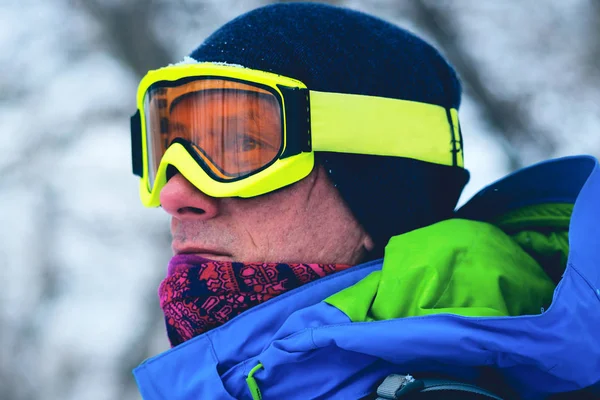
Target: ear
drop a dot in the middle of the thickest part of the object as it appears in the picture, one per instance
(368, 243)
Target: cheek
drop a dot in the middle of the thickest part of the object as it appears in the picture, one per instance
(279, 225)
(279, 219)
(306, 222)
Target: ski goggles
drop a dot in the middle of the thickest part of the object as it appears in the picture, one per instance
(238, 132)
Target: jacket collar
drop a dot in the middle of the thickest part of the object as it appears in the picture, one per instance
(201, 367)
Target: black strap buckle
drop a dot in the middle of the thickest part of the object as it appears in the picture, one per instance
(404, 386)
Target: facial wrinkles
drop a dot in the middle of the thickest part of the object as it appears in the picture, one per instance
(318, 213)
(304, 222)
(251, 238)
(334, 246)
(312, 187)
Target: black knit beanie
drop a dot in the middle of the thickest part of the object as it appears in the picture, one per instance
(334, 49)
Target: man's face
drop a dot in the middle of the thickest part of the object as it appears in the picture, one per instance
(306, 222)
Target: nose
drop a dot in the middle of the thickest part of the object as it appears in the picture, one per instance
(184, 201)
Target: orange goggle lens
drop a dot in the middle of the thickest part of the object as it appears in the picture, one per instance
(232, 129)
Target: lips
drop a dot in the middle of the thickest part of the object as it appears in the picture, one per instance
(203, 251)
(186, 255)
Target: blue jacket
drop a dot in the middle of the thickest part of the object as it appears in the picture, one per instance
(307, 349)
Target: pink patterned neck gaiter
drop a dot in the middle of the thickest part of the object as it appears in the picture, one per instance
(199, 294)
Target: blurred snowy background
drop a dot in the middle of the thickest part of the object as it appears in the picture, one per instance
(81, 258)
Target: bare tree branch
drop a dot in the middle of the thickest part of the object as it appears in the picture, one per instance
(51, 144)
(132, 39)
(25, 343)
(190, 7)
(507, 117)
(594, 44)
(129, 33)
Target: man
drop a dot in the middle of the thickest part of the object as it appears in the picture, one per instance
(296, 147)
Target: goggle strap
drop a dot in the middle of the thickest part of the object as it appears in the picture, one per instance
(298, 134)
(456, 135)
(137, 164)
(359, 124)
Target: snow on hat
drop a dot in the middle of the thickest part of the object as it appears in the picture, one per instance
(340, 50)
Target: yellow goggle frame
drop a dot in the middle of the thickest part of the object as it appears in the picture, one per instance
(333, 122)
